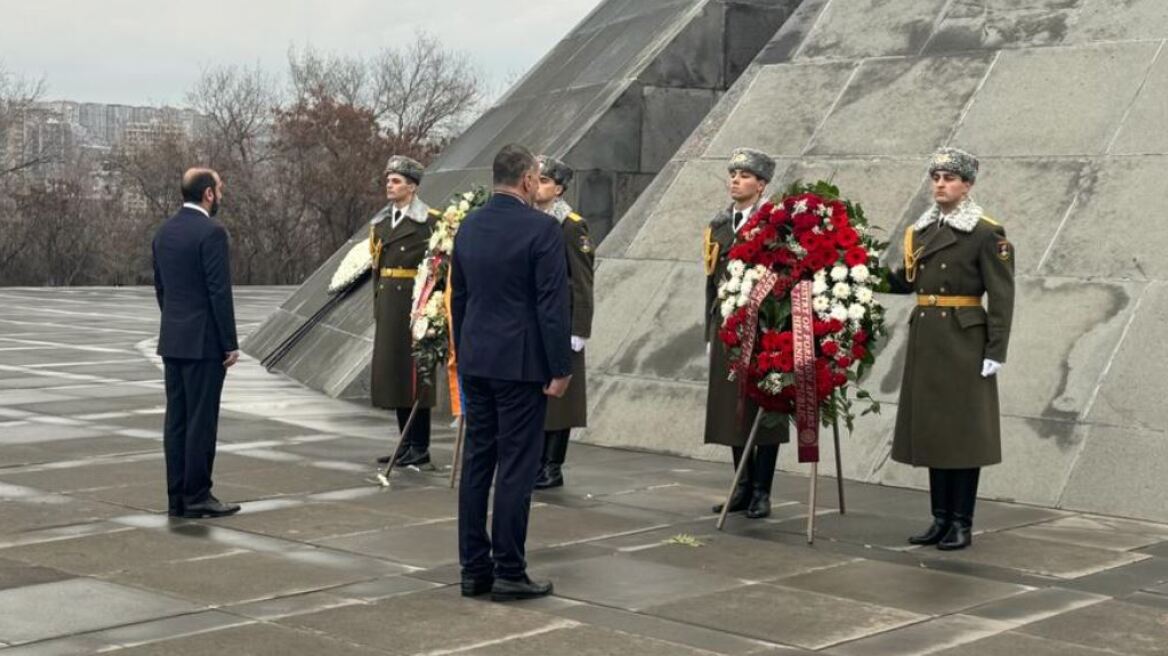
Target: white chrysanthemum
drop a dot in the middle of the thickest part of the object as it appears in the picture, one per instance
(733, 285)
(468, 196)
(728, 307)
(421, 327)
(736, 268)
(856, 311)
(860, 273)
(821, 304)
(841, 290)
(463, 206)
(864, 295)
(821, 275)
(839, 312)
(839, 273)
(352, 267)
(819, 287)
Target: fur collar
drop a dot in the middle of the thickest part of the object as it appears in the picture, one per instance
(418, 212)
(963, 219)
(560, 210)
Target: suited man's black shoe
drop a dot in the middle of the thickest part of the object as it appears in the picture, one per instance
(760, 505)
(210, 508)
(739, 501)
(934, 534)
(550, 476)
(960, 536)
(474, 587)
(514, 590)
(413, 457)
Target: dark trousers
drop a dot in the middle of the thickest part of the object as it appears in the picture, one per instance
(760, 467)
(953, 494)
(504, 441)
(193, 391)
(419, 435)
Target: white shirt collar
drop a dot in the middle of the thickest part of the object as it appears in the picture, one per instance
(746, 214)
(200, 208)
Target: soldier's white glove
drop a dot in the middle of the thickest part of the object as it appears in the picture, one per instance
(578, 343)
(990, 368)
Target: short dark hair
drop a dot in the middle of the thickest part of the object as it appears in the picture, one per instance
(510, 165)
(195, 184)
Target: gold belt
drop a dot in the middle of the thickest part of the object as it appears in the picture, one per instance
(398, 273)
(933, 300)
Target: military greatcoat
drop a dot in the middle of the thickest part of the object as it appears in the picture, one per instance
(725, 424)
(948, 417)
(571, 410)
(397, 253)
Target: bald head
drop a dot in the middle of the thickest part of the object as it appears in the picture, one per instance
(196, 183)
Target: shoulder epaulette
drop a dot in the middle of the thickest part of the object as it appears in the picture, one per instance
(711, 249)
(435, 214)
(990, 221)
(575, 217)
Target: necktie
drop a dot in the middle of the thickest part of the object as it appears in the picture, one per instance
(737, 221)
(397, 214)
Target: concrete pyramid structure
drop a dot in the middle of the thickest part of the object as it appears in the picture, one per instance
(614, 99)
(1066, 102)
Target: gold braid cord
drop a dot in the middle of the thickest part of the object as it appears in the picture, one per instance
(374, 245)
(710, 252)
(910, 256)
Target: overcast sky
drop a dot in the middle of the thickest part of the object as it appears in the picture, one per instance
(149, 52)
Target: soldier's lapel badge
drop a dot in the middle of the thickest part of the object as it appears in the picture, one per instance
(586, 244)
(1004, 250)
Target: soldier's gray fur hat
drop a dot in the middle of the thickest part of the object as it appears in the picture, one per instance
(955, 161)
(558, 171)
(752, 161)
(406, 167)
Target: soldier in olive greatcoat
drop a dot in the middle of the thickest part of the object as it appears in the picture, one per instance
(948, 415)
(728, 421)
(571, 410)
(398, 238)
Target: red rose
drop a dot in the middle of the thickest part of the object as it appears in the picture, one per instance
(785, 362)
(770, 340)
(785, 341)
(859, 351)
(860, 336)
(766, 208)
(805, 221)
(839, 215)
(820, 328)
(843, 362)
(856, 256)
(839, 380)
(835, 325)
(809, 241)
(847, 237)
(830, 349)
(780, 216)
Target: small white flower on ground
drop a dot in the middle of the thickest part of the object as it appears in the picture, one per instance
(841, 290)
(839, 273)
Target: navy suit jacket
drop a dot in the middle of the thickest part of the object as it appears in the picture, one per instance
(510, 294)
(192, 280)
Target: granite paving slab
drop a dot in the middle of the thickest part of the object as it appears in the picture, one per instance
(1035, 605)
(909, 588)
(421, 623)
(1066, 561)
(17, 574)
(49, 511)
(252, 640)
(238, 577)
(314, 521)
(583, 641)
(64, 608)
(426, 545)
(1012, 644)
(923, 638)
(807, 619)
(737, 557)
(1127, 628)
(623, 582)
(94, 555)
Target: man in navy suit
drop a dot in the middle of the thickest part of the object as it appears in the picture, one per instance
(513, 334)
(197, 341)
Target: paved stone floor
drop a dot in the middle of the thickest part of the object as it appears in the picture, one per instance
(321, 562)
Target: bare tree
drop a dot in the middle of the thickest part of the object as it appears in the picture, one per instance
(237, 105)
(18, 95)
(343, 78)
(425, 92)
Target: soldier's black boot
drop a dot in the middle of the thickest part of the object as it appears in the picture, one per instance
(765, 459)
(740, 500)
(417, 440)
(939, 500)
(555, 451)
(960, 533)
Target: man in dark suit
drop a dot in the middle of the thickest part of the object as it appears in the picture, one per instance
(197, 341)
(512, 329)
